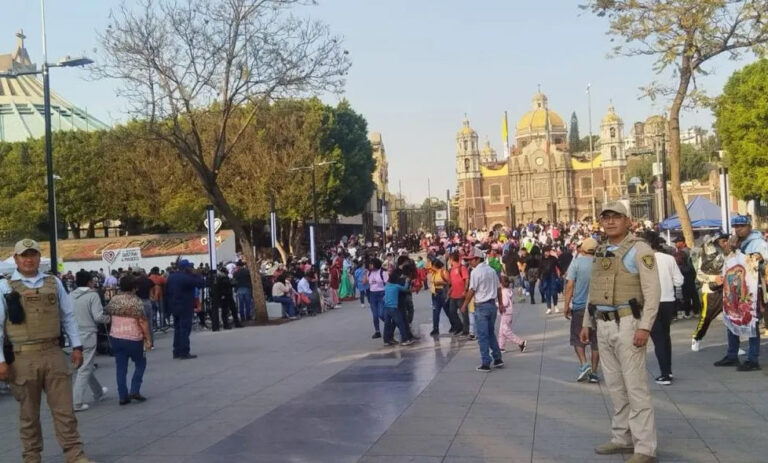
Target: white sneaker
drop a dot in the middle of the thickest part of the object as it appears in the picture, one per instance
(103, 394)
(557, 309)
(695, 345)
(82, 408)
(742, 352)
(680, 314)
(549, 311)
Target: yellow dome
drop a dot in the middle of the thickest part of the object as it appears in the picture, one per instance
(537, 119)
(466, 129)
(611, 117)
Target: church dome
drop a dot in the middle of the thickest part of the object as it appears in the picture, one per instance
(611, 117)
(536, 119)
(466, 129)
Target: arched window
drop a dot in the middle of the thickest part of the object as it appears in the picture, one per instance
(466, 163)
(466, 145)
(613, 132)
(613, 151)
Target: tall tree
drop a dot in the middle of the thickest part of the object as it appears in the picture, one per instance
(574, 141)
(742, 123)
(684, 35)
(189, 68)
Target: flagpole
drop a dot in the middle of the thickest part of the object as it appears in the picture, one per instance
(591, 153)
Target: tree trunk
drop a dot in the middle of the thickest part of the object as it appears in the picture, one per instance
(91, 232)
(674, 151)
(220, 202)
(283, 254)
(75, 227)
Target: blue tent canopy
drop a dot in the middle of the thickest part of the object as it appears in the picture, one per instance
(703, 213)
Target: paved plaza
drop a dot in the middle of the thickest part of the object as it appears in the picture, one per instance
(320, 390)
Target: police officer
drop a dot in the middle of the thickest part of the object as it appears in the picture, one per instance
(624, 298)
(33, 312)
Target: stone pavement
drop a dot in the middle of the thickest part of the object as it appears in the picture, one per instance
(320, 390)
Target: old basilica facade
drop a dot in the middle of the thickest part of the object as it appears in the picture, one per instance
(539, 178)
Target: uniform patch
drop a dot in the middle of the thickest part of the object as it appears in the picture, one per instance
(649, 261)
(52, 299)
(605, 262)
(27, 243)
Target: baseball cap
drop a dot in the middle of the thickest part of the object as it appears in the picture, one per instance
(741, 220)
(589, 245)
(184, 263)
(679, 239)
(25, 245)
(615, 206)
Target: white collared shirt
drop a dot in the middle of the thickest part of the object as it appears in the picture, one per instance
(484, 282)
(68, 321)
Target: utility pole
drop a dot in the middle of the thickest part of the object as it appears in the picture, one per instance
(591, 153)
(429, 206)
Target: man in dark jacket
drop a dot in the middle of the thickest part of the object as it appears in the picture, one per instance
(222, 301)
(179, 296)
(244, 290)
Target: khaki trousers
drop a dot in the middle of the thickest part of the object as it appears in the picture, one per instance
(31, 374)
(626, 378)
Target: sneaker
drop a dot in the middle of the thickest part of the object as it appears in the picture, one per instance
(503, 350)
(137, 397)
(727, 362)
(102, 396)
(472, 337)
(749, 365)
(680, 314)
(434, 332)
(742, 352)
(592, 378)
(292, 318)
(523, 346)
(390, 343)
(376, 335)
(81, 408)
(498, 363)
(695, 345)
(483, 368)
(664, 380)
(688, 316)
(407, 343)
(362, 305)
(584, 372)
(549, 311)
(641, 458)
(557, 309)
(611, 448)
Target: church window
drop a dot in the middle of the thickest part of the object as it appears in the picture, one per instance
(560, 189)
(558, 141)
(613, 132)
(522, 191)
(466, 145)
(586, 185)
(495, 192)
(540, 188)
(613, 151)
(466, 164)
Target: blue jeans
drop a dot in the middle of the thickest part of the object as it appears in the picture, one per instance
(733, 346)
(182, 328)
(392, 318)
(287, 303)
(363, 295)
(245, 302)
(439, 304)
(124, 350)
(549, 287)
(485, 320)
(376, 299)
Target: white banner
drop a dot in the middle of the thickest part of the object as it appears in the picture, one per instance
(441, 215)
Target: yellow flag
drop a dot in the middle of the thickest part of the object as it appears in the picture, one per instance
(504, 129)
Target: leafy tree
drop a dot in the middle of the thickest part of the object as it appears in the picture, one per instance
(573, 135)
(683, 34)
(694, 163)
(199, 71)
(742, 123)
(584, 143)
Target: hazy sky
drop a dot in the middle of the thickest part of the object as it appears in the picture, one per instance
(418, 67)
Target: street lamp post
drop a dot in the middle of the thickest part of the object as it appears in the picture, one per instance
(591, 153)
(313, 227)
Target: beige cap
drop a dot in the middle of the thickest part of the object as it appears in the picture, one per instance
(589, 245)
(25, 245)
(614, 206)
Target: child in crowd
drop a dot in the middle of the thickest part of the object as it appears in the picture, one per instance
(506, 324)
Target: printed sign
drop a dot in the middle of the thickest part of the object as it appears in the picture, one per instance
(126, 257)
(441, 215)
(440, 223)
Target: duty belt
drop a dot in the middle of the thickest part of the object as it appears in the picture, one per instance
(614, 315)
(37, 346)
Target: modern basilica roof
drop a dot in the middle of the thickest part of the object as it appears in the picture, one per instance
(21, 102)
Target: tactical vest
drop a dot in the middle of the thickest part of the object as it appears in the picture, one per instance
(41, 313)
(611, 283)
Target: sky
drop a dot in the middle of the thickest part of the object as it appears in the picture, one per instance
(418, 66)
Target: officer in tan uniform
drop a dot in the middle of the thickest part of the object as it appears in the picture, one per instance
(623, 299)
(34, 310)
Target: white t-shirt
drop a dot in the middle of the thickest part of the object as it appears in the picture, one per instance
(669, 276)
